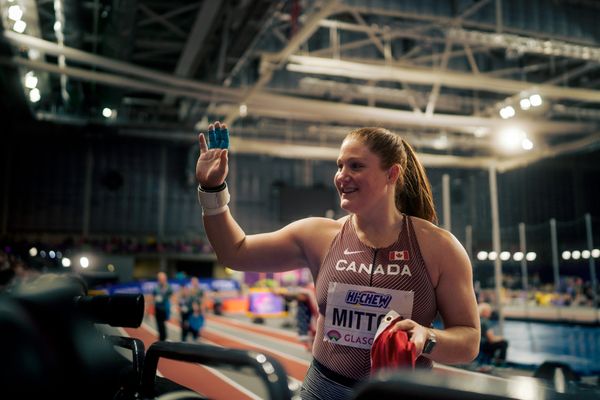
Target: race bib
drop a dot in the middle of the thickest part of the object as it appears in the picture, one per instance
(354, 312)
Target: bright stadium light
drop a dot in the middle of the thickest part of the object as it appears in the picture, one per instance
(84, 262)
(585, 254)
(66, 262)
(566, 255)
(536, 100)
(576, 254)
(531, 256)
(492, 256)
(15, 13)
(34, 95)
(31, 80)
(482, 255)
(512, 138)
(20, 26)
(518, 256)
(507, 112)
(243, 110)
(525, 104)
(505, 255)
(596, 253)
(526, 144)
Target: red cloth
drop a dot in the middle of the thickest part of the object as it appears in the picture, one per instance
(392, 350)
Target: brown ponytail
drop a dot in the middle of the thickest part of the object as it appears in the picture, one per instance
(413, 191)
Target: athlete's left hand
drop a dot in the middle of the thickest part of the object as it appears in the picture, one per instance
(417, 333)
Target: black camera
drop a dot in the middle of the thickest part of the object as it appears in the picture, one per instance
(53, 348)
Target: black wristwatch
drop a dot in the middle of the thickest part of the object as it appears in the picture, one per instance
(430, 342)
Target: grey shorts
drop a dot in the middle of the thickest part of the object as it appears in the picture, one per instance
(317, 386)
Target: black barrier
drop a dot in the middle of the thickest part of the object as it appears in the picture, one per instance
(558, 376)
(266, 368)
(456, 384)
(131, 379)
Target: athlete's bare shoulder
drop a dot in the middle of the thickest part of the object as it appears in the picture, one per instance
(316, 235)
(319, 225)
(428, 231)
(439, 247)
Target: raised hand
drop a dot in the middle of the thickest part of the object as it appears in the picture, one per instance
(212, 165)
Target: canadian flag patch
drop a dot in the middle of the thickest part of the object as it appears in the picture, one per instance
(399, 255)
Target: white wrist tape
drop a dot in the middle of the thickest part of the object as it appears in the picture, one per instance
(213, 203)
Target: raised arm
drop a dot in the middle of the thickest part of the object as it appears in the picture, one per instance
(276, 251)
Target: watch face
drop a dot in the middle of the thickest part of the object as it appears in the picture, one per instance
(429, 345)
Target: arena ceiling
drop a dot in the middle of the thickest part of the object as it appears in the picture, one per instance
(292, 77)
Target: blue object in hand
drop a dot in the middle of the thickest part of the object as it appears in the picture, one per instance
(218, 138)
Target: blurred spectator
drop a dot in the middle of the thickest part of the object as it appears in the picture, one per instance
(196, 291)
(162, 304)
(306, 314)
(217, 303)
(184, 300)
(196, 320)
(492, 346)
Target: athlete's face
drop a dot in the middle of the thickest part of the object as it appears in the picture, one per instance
(360, 180)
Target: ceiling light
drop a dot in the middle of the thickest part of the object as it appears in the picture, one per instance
(15, 13)
(480, 132)
(34, 95)
(596, 253)
(492, 255)
(518, 256)
(482, 255)
(511, 138)
(531, 256)
(31, 80)
(66, 262)
(525, 104)
(19, 26)
(526, 144)
(507, 112)
(505, 256)
(441, 142)
(84, 262)
(566, 255)
(576, 254)
(536, 100)
(585, 254)
(107, 112)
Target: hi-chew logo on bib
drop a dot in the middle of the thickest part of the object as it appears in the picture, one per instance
(368, 298)
(354, 312)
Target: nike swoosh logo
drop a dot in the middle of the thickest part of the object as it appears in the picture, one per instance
(348, 252)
